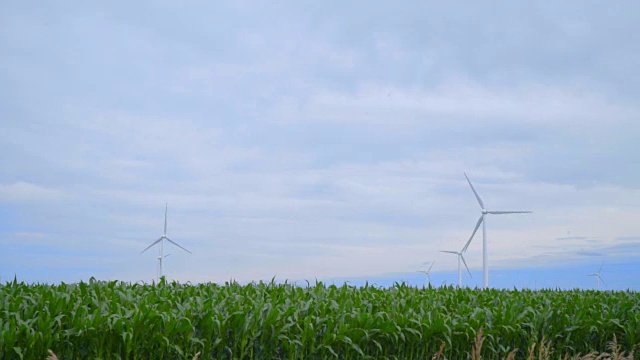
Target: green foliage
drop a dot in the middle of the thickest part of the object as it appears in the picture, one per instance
(117, 320)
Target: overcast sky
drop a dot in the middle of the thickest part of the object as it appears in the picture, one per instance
(320, 140)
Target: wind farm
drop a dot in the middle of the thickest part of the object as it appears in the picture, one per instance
(370, 180)
(257, 319)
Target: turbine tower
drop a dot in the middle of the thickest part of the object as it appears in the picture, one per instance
(161, 255)
(460, 257)
(599, 277)
(427, 273)
(482, 221)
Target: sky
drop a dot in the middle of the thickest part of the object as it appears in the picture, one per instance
(320, 140)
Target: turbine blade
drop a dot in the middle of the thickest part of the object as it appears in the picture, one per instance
(473, 233)
(508, 212)
(153, 243)
(599, 271)
(450, 252)
(474, 191)
(465, 265)
(166, 205)
(601, 279)
(430, 267)
(176, 244)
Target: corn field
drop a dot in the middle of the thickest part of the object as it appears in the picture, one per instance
(169, 320)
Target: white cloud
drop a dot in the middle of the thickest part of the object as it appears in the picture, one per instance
(28, 192)
(461, 103)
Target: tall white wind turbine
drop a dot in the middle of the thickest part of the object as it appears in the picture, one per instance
(427, 273)
(482, 221)
(161, 255)
(598, 276)
(460, 257)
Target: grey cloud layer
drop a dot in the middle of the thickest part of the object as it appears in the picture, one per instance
(323, 131)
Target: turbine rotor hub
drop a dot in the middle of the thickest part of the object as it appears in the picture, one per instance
(484, 212)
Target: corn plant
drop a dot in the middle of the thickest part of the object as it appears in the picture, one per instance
(169, 320)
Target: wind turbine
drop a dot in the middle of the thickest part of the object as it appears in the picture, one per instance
(482, 221)
(460, 257)
(161, 241)
(427, 272)
(598, 276)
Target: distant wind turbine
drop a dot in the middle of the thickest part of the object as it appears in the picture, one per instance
(482, 220)
(599, 276)
(427, 273)
(460, 257)
(161, 241)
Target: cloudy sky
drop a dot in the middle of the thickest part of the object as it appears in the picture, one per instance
(320, 140)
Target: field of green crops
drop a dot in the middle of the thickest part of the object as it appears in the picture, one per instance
(116, 320)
